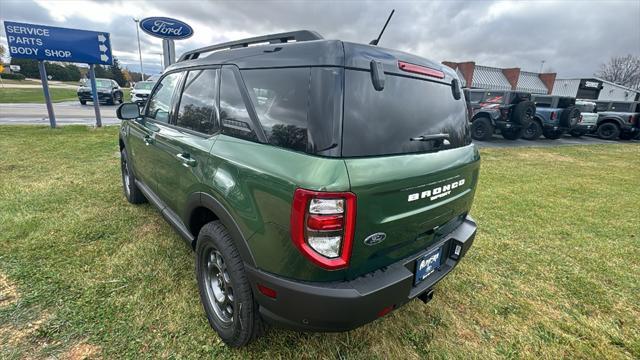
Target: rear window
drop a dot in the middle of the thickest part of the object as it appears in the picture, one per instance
(383, 122)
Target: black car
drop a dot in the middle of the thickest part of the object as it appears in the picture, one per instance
(109, 92)
(509, 111)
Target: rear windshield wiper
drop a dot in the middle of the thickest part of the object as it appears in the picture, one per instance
(438, 139)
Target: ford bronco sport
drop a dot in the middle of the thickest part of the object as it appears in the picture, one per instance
(588, 118)
(618, 119)
(509, 111)
(321, 183)
(555, 115)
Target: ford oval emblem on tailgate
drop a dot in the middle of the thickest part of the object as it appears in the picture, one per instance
(374, 239)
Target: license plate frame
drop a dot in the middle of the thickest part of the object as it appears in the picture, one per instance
(428, 264)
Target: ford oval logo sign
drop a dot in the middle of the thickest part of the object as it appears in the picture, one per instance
(374, 239)
(166, 28)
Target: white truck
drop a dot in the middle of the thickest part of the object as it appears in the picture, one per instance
(588, 118)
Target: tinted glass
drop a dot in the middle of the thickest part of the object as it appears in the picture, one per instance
(144, 85)
(197, 109)
(543, 101)
(101, 83)
(585, 107)
(475, 96)
(383, 122)
(160, 102)
(602, 106)
(621, 107)
(280, 97)
(234, 117)
(494, 97)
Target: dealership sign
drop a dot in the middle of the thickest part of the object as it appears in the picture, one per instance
(40, 42)
(166, 28)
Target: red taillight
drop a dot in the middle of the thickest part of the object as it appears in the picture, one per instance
(267, 291)
(385, 311)
(553, 115)
(322, 226)
(422, 70)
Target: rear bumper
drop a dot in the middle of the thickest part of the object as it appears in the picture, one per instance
(341, 306)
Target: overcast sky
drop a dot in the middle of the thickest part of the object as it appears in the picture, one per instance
(573, 37)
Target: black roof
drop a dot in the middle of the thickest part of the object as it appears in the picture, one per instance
(308, 49)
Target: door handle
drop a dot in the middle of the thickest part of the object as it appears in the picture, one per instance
(148, 140)
(186, 160)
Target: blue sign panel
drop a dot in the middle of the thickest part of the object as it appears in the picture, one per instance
(40, 42)
(166, 28)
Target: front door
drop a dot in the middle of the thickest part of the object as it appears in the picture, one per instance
(184, 143)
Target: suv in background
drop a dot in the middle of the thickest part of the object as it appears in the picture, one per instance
(588, 118)
(321, 183)
(109, 91)
(509, 111)
(141, 91)
(555, 115)
(618, 119)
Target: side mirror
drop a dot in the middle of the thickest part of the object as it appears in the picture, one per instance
(128, 111)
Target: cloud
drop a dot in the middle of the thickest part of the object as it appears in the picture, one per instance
(572, 37)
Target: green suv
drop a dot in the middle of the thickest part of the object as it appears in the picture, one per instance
(321, 183)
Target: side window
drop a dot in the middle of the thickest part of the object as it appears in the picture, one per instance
(494, 97)
(620, 107)
(234, 117)
(197, 109)
(475, 96)
(281, 98)
(160, 102)
(543, 102)
(602, 106)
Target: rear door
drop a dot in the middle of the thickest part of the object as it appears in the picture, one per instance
(412, 191)
(185, 142)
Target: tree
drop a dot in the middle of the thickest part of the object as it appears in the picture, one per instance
(103, 73)
(622, 70)
(28, 67)
(2, 51)
(116, 73)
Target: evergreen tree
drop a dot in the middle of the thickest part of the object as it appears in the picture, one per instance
(116, 72)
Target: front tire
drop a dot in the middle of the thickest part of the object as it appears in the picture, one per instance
(532, 131)
(481, 129)
(131, 190)
(225, 291)
(83, 102)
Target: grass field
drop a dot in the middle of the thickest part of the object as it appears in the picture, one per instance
(20, 95)
(554, 272)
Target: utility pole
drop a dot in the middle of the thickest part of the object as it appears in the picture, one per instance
(139, 49)
(541, 66)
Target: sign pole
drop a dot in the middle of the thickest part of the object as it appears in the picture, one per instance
(94, 94)
(168, 52)
(47, 96)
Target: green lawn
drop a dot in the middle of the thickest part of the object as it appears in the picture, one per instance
(17, 95)
(554, 272)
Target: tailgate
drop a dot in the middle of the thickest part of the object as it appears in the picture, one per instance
(409, 198)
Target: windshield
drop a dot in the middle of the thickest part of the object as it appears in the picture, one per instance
(101, 83)
(144, 85)
(384, 122)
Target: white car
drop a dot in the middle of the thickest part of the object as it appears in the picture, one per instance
(588, 118)
(141, 91)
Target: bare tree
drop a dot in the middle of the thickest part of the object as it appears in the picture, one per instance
(622, 70)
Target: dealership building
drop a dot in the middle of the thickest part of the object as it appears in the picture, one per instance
(486, 77)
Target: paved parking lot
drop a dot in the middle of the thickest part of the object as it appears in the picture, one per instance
(67, 112)
(498, 141)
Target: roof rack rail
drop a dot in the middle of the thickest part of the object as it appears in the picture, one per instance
(300, 35)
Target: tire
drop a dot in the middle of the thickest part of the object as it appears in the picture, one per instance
(552, 134)
(119, 98)
(220, 273)
(83, 102)
(131, 190)
(532, 131)
(569, 117)
(608, 131)
(481, 129)
(627, 135)
(111, 100)
(523, 112)
(512, 134)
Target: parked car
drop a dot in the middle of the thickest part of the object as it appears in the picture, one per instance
(618, 119)
(508, 111)
(588, 118)
(109, 91)
(555, 115)
(141, 91)
(262, 176)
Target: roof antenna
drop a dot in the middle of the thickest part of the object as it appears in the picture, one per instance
(376, 41)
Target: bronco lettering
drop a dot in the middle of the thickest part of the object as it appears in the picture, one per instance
(437, 192)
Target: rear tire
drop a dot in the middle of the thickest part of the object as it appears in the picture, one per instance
(608, 131)
(225, 291)
(481, 129)
(131, 190)
(532, 131)
(552, 134)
